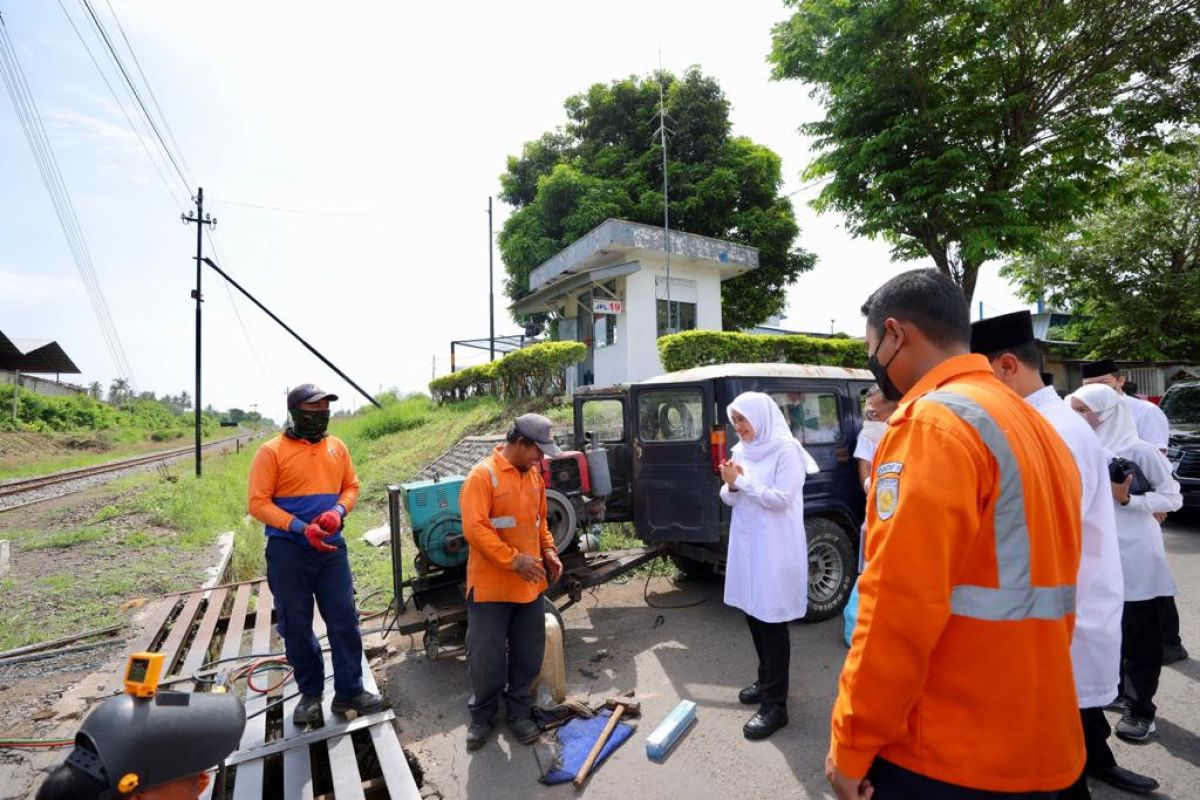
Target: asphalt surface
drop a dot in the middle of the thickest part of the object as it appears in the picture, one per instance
(616, 642)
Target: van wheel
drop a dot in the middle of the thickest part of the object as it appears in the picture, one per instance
(695, 570)
(548, 607)
(831, 568)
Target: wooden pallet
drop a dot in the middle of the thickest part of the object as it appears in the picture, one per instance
(342, 760)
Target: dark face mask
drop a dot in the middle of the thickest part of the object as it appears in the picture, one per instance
(890, 390)
(308, 425)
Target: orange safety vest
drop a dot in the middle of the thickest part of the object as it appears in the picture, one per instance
(503, 514)
(960, 665)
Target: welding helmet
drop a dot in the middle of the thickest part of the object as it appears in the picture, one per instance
(132, 744)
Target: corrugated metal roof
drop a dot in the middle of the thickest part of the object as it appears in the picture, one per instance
(35, 356)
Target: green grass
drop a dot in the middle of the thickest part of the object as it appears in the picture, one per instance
(64, 539)
(28, 465)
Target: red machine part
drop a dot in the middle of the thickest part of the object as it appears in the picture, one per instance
(547, 468)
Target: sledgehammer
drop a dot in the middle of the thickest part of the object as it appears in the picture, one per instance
(620, 706)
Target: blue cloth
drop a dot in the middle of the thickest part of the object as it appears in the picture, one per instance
(298, 574)
(578, 737)
(850, 614)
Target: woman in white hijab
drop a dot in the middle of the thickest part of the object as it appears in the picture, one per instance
(1143, 558)
(766, 572)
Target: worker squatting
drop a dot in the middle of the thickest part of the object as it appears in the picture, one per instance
(1014, 582)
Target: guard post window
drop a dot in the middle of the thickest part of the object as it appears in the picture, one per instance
(679, 313)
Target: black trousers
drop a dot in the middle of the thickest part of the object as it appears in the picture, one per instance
(774, 648)
(505, 645)
(893, 782)
(1170, 621)
(1141, 655)
(1096, 731)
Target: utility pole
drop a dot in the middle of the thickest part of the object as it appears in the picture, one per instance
(491, 290)
(662, 132)
(201, 219)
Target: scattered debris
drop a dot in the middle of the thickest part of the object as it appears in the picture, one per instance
(378, 537)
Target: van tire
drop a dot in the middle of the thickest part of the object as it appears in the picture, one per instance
(832, 568)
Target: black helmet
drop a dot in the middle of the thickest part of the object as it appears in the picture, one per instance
(131, 744)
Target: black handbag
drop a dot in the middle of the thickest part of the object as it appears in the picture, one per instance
(1119, 469)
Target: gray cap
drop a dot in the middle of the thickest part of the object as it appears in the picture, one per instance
(536, 428)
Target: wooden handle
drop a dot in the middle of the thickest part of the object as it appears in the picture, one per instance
(598, 746)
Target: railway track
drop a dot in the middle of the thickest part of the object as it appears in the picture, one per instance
(13, 493)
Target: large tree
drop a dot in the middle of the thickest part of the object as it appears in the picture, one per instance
(606, 162)
(960, 130)
(1130, 271)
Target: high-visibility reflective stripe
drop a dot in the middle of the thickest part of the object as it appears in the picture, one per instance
(492, 472)
(499, 523)
(1016, 598)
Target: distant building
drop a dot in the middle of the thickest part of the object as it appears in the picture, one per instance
(609, 290)
(22, 359)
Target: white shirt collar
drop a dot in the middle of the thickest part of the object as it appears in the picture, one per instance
(1043, 397)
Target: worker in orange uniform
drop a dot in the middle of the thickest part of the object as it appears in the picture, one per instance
(958, 683)
(504, 520)
(302, 486)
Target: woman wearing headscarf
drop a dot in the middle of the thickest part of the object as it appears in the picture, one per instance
(1143, 557)
(766, 572)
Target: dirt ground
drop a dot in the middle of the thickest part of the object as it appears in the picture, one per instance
(615, 642)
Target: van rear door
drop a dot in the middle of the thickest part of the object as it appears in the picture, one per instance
(675, 490)
(606, 417)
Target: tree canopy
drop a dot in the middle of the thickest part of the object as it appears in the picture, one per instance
(1130, 271)
(605, 162)
(961, 130)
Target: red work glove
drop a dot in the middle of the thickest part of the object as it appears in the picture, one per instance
(330, 521)
(316, 538)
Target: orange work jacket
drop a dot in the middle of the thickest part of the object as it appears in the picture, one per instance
(960, 665)
(503, 514)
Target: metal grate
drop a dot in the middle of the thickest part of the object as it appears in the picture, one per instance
(1189, 465)
(359, 758)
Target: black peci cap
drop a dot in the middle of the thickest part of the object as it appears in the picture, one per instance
(308, 393)
(1002, 333)
(1098, 369)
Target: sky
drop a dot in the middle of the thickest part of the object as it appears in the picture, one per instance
(373, 132)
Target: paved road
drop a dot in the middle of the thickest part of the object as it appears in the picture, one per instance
(615, 642)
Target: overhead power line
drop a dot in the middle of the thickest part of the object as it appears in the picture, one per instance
(136, 94)
(170, 186)
(47, 163)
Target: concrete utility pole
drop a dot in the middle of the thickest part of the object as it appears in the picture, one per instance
(201, 219)
(491, 291)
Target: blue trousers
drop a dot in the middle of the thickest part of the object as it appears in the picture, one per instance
(297, 575)
(893, 782)
(505, 645)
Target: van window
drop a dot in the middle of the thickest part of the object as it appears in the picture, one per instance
(813, 416)
(670, 415)
(605, 418)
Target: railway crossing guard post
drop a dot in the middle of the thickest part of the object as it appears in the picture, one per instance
(201, 220)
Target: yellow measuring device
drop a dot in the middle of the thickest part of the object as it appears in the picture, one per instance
(143, 673)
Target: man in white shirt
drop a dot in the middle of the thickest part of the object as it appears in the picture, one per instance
(1009, 344)
(1151, 422)
(1153, 427)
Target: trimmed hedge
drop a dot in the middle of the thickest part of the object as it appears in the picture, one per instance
(535, 371)
(701, 348)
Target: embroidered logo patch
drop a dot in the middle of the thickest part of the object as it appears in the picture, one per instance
(887, 496)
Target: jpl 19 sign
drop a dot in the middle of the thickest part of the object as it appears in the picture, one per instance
(607, 306)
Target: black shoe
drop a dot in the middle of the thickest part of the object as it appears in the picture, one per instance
(1173, 653)
(525, 729)
(1125, 779)
(1120, 705)
(478, 734)
(362, 704)
(308, 711)
(768, 720)
(751, 695)
(1134, 729)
